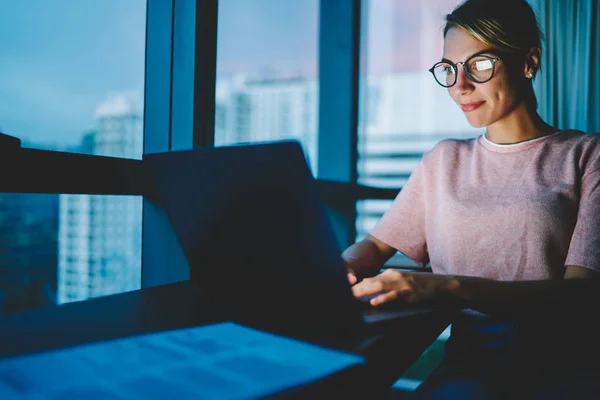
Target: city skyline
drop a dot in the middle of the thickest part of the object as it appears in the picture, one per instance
(52, 75)
(420, 83)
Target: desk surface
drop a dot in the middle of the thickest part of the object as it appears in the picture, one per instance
(181, 305)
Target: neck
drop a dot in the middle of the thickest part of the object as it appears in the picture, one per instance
(518, 126)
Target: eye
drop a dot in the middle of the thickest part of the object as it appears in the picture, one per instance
(481, 64)
(448, 70)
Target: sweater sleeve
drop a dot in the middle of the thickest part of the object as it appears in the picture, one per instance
(584, 249)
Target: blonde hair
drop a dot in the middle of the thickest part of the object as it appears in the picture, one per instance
(509, 26)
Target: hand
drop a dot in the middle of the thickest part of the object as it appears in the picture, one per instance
(412, 287)
(351, 274)
(355, 271)
(365, 258)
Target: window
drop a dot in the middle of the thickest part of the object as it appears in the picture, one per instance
(90, 246)
(71, 80)
(46, 251)
(266, 85)
(403, 112)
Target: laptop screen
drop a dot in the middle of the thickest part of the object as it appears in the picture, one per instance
(254, 231)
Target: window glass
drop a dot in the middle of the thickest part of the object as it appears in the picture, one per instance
(267, 72)
(71, 79)
(56, 248)
(70, 67)
(403, 112)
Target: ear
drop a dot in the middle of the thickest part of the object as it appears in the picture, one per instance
(532, 62)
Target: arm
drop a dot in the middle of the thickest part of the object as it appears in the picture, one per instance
(577, 288)
(402, 227)
(580, 287)
(366, 258)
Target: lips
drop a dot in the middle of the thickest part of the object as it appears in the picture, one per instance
(471, 106)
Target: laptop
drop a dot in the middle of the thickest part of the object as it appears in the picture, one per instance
(257, 236)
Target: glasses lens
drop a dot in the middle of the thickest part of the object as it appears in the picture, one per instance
(481, 69)
(444, 73)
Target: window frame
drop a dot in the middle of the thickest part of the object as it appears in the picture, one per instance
(181, 61)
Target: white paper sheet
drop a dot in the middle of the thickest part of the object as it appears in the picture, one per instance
(221, 361)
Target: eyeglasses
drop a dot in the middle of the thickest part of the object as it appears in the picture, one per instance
(478, 68)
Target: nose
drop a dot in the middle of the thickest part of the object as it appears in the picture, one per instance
(463, 84)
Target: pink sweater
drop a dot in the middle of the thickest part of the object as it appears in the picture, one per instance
(505, 212)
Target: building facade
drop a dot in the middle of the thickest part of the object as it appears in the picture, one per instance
(100, 236)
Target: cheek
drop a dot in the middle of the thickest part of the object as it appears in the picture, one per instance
(491, 91)
(501, 92)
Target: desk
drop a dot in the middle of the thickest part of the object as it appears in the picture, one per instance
(181, 305)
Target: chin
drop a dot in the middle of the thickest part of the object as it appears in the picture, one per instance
(477, 122)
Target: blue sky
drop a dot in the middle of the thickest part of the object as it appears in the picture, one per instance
(61, 58)
(263, 36)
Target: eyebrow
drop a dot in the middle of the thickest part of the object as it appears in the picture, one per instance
(481, 52)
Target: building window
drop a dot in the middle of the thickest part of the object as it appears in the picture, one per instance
(74, 72)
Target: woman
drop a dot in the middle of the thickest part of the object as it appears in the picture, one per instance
(510, 222)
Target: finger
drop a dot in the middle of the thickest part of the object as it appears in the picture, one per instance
(371, 286)
(391, 272)
(384, 298)
(359, 290)
(352, 278)
(367, 287)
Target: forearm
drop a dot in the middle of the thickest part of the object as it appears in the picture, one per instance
(363, 254)
(522, 298)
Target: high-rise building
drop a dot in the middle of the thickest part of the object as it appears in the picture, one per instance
(100, 236)
(249, 110)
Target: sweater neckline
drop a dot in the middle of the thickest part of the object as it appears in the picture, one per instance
(513, 147)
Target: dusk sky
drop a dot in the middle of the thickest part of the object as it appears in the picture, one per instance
(61, 58)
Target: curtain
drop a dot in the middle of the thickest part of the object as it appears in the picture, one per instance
(568, 85)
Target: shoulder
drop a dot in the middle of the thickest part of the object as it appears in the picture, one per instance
(590, 153)
(578, 140)
(447, 146)
(584, 148)
(449, 150)
(589, 142)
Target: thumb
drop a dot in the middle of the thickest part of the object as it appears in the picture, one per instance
(352, 277)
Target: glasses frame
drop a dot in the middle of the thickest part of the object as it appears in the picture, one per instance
(454, 66)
